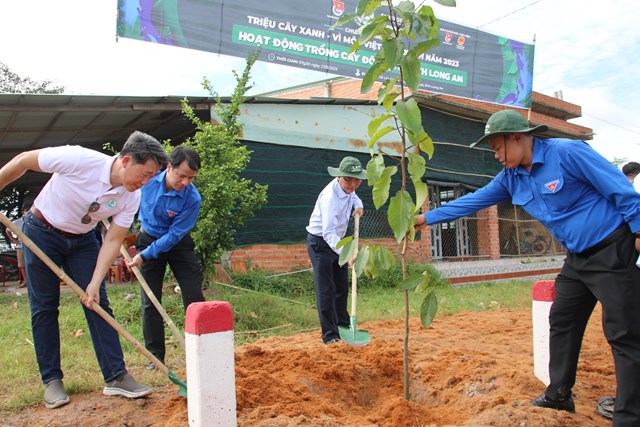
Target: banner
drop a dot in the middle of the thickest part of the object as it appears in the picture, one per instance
(467, 63)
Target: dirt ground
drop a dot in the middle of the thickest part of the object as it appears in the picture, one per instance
(471, 369)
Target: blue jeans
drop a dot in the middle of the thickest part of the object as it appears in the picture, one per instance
(77, 256)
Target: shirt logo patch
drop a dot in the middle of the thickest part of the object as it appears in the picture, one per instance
(171, 214)
(552, 185)
(112, 203)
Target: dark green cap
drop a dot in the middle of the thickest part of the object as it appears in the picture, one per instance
(507, 121)
(349, 166)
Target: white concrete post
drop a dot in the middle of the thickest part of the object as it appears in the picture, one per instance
(543, 293)
(211, 387)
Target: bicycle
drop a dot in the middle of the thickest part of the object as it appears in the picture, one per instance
(531, 244)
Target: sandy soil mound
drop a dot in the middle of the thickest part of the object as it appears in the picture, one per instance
(471, 369)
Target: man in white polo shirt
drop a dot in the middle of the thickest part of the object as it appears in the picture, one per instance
(86, 187)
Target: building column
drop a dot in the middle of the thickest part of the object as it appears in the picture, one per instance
(488, 233)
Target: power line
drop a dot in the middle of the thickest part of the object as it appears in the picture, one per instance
(509, 14)
(611, 123)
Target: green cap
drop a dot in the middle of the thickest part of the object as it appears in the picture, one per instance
(507, 121)
(349, 166)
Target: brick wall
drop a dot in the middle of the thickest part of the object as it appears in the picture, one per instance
(285, 258)
(488, 233)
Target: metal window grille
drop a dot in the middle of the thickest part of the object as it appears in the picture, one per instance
(519, 234)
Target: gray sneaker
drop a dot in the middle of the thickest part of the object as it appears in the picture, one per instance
(125, 385)
(54, 394)
(605, 406)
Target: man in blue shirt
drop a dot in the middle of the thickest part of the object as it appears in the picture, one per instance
(327, 226)
(588, 206)
(168, 211)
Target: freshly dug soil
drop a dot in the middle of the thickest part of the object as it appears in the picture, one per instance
(470, 369)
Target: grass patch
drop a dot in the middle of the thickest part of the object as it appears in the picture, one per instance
(263, 305)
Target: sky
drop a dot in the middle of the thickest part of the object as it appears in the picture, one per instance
(586, 50)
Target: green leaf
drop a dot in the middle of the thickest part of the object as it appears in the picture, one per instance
(382, 132)
(385, 89)
(448, 3)
(375, 167)
(374, 28)
(428, 309)
(362, 260)
(417, 165)
(375, 123)
(344, 20)
(425, 143)
(383, 259)
(409, 115)
(344, 241)
(400, 213)
(372, 75)
(425, 282)
(380, 190)
(393, 51)
(411, 72)
(390, 99)
(406, 6)
(422, 191)
(411, 282)
(427, 25)
(422, 47)
(347, 252)
(367, 7)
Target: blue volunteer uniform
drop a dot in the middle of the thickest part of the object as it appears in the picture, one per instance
(166, 218)
(592, 209)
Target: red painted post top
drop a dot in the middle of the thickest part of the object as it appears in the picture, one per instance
(208, 317)
(544, 290)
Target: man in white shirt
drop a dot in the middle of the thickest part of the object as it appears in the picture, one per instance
(327, 226)
(86, 187)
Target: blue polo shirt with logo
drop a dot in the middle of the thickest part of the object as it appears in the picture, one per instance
(167, 215)
(571, 189)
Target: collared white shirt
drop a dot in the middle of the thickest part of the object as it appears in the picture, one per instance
(330, 216)
(80, 177)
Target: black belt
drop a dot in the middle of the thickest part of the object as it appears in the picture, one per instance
(617, 234)
(36, 212)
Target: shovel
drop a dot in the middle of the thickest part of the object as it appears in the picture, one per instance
(352, 335)
(125, 253)
(94, 306)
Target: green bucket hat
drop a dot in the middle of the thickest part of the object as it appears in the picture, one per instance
(349, 166)
(507, 121)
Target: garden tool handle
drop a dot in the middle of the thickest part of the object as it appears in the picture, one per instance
(74, 287)
(354, 276)
(125, 253)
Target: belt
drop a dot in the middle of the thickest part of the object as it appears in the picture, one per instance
(36, 212)
(617, 234)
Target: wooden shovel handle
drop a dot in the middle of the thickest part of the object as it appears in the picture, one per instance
(74, 286)
(149, 292)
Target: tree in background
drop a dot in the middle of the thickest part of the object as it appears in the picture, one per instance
(10, 82)
(227, 198)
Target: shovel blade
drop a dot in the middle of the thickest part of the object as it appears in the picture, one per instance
(353, 336)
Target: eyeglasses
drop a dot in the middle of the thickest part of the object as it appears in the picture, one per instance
(351, 181)
(93, 207)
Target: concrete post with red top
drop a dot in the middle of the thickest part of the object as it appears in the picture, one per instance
(543, 293)
(210, 364)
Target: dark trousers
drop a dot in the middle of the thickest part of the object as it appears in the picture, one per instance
(185, 267)
(332, 287)
(77, 256)
(611, 277)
